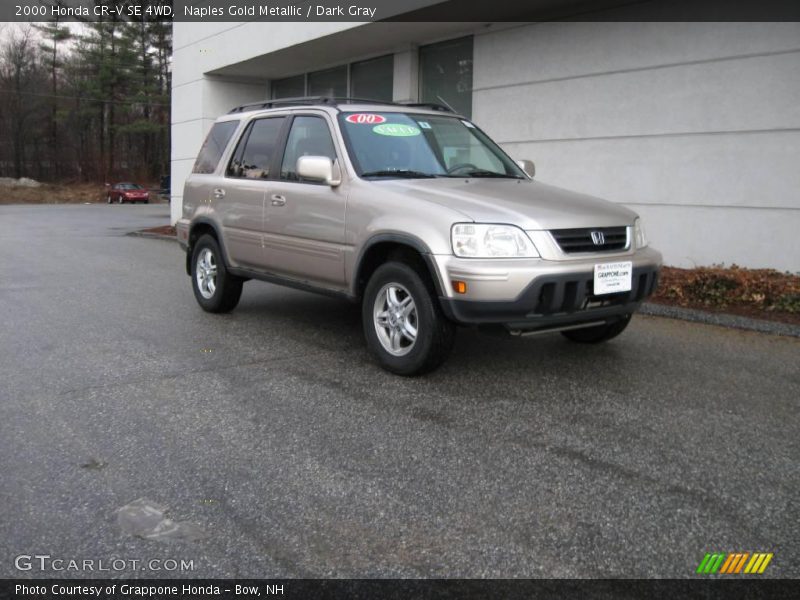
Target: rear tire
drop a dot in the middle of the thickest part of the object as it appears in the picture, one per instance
(598, 334)
(404, 326)
(119, 200)
(216, 290)
(108, 199)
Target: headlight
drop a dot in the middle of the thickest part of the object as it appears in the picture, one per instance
(639, 238)
(474, 240)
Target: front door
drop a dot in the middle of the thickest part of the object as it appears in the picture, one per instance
(304, 220)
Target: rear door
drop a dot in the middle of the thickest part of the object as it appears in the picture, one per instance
(240, 201)
(304, 220)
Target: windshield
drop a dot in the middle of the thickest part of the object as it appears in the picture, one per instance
(394, 145)
(129, 186)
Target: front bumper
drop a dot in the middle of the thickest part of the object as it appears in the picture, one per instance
(535, 295)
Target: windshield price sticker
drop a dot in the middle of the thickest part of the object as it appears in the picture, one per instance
(365, 118)
(611, 278)
(424, 124)
(396, 130)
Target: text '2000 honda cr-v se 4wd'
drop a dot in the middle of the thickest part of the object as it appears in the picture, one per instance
(414, 212)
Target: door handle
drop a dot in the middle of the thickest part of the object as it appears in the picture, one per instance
(278, 200)
(219, 193)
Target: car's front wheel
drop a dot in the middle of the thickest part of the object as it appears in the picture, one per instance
(598, 334)
(119, 199)
(403, 322)
(215, 289)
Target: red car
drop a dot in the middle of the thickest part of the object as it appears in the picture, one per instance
(127, 192)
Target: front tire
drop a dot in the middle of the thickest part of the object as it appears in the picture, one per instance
(216, 290)
(119, 200)
(108, 199)
(598, 334)
(404, 326)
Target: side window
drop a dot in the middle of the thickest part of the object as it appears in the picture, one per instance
(214, 146)
(256, 149)
(309, 136)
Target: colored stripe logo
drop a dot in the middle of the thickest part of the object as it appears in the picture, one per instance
(734, 563)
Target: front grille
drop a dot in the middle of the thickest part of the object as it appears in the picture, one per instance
(583, 240)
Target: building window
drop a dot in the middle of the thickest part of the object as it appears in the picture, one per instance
(369, 79)
(291, 87)
(373, 79)
(445, 74)
(330, 82)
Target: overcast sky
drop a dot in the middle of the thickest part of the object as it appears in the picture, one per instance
(8, 28)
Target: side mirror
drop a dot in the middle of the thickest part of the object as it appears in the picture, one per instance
(319, 168)
(528, 167)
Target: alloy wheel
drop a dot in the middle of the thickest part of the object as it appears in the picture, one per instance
(206, 273)
(395, 318)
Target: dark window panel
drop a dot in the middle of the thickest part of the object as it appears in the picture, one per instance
(373, 79)
(445, 71)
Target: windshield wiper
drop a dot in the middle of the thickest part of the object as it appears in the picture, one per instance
(481, 173)
(404, 173)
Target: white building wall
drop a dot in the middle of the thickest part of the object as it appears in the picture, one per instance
(696, 126)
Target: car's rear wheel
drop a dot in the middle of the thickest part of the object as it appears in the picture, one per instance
(216, 290)
(403, 322)
(599, 333)
(108, 198)
(119, 199)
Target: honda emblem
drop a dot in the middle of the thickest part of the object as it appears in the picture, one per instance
(598, 239)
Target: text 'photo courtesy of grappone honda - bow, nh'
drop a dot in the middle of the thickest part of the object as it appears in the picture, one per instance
(415, 213)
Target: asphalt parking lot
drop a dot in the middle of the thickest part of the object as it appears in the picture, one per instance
(272, 432)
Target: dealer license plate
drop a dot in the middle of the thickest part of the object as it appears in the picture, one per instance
(611, 278)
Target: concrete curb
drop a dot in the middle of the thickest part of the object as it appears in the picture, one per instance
(655, 310)
(721, 319)
(154, 236)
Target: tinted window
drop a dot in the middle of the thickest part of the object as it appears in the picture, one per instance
(373, 79)
(445, 72)
(256, 149)
(309, 136)
(214, 146)
(331, 82)
(291, 87)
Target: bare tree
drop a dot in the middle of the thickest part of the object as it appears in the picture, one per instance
(21, 84)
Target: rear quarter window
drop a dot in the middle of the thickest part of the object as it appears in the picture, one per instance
(214, 146)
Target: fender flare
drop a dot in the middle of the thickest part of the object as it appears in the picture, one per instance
(215, 227)
(406, 240)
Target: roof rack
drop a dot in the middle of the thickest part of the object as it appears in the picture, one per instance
(428, 105)
(334, 101)
(304, 101)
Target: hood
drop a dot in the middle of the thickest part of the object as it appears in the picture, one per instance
(527, 204)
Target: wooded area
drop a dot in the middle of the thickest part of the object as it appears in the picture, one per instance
(88, 103)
